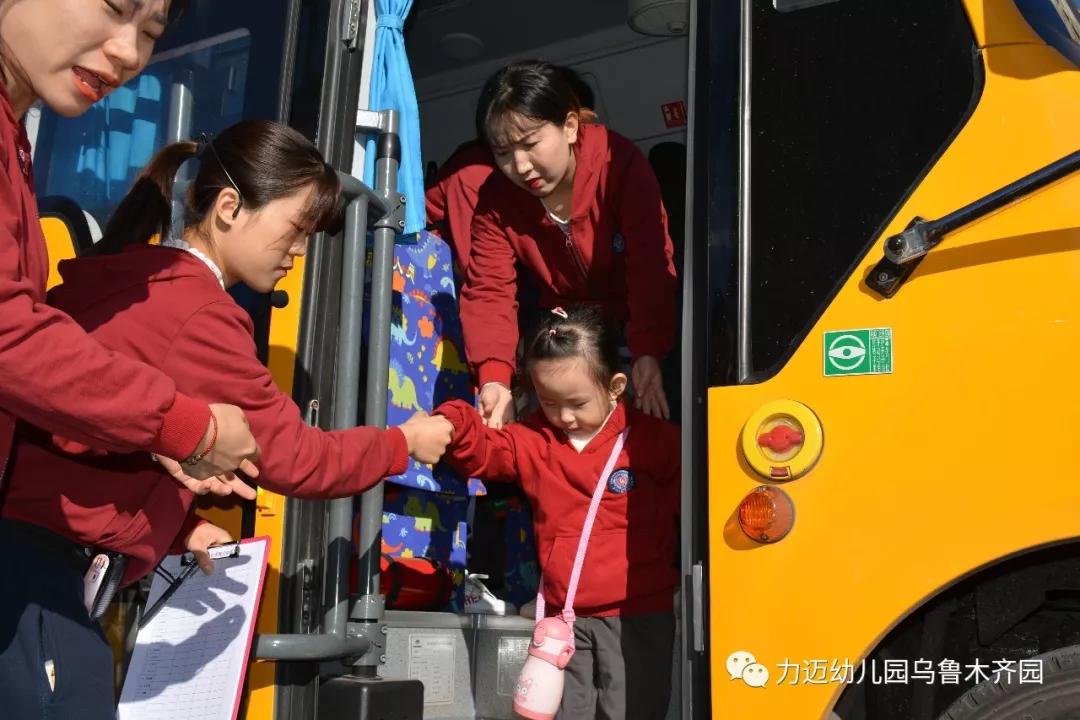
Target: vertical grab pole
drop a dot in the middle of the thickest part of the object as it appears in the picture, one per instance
(346, 407)
(336, 641)
(369, 607)
(181, 103)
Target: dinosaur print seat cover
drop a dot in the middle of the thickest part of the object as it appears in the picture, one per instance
(425, 511)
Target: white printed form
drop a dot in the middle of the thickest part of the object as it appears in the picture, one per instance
(189, 660)
(431, 661)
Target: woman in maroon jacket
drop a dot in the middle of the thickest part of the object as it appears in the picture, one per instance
(451, 199)
(69, 54)
(579, 206)
(261, 189)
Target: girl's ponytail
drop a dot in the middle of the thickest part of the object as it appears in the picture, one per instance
(146, 210)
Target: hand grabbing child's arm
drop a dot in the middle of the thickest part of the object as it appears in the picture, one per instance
(477, 450)
(427, 436)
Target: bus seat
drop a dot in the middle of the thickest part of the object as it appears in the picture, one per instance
(431, 525)
(427, 367)
(427, 364)
(422, 524)
(668, 161)
(67, 232)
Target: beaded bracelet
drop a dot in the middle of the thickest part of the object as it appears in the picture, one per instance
(196, 459)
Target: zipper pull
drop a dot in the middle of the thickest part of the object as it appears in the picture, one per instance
(572, 250)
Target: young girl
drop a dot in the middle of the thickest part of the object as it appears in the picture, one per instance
(624, 627)
(261, 189)
(70, 54)
(579, 207)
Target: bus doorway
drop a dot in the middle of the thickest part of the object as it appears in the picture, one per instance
(637, 85)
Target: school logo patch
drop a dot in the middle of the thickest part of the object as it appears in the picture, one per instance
(620, 481)
(618, 243)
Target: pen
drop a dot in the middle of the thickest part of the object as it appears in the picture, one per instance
(217, 552)
(169, 592)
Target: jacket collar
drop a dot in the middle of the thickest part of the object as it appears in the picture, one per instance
(8, 107)
(590, 152)
(22, 142)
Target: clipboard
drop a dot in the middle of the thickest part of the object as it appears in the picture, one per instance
(190, 567)
(190, 660)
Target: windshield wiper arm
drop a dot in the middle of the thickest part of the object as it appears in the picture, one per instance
(904, 250)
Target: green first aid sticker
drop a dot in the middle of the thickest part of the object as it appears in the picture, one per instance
(858, 352)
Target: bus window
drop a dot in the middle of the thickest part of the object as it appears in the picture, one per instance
(850, 104)
(94, 158)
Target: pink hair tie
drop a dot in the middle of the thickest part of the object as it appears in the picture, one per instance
(552, 331)
(560, 312)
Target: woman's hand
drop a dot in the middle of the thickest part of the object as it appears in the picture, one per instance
(427, 436)
(496, 405)
(234, 447)
(221, 485)
(648, 381)
(203, 537)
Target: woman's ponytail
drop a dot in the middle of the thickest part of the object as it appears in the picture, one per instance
(260, 160)
(146, 210)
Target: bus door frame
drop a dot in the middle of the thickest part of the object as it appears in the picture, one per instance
(301, 603)
(718, 115)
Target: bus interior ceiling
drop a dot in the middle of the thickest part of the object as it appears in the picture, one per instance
(454, 45)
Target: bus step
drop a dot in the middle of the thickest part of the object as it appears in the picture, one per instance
(348, 698)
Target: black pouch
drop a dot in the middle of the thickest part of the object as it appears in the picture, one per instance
(102, 580)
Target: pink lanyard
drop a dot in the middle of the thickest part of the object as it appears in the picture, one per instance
(567, 613)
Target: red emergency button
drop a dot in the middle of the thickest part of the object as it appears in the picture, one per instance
(780, 439)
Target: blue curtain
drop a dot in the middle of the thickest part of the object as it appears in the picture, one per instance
(392, 88)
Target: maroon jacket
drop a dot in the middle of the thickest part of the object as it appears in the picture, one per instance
(620, 254)
(52, 374)
(630, 563)
(165, 307)
(451, 201)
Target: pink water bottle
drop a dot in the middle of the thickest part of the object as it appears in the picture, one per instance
(539, 688)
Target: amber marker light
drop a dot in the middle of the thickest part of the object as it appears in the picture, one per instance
(766, 514)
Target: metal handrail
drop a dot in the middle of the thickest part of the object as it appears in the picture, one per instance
(339, 640)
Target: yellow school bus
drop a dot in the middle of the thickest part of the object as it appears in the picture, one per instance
(893, 434)
(880, 293)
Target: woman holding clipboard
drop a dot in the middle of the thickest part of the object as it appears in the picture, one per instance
(261, 190)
